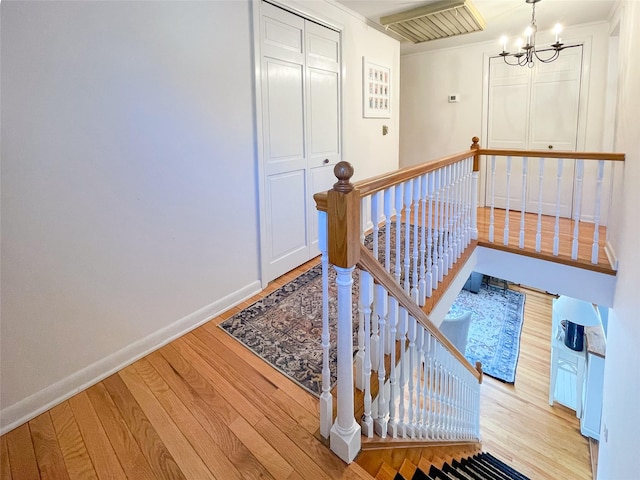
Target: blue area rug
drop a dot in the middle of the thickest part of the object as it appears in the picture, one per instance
(494, 333)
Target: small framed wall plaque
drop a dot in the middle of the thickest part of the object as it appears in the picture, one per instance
(376, 90)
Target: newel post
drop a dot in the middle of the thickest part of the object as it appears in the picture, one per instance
(474, 187)
(343, 221)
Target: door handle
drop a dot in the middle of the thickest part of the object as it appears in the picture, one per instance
(550, 147)
(325, 161)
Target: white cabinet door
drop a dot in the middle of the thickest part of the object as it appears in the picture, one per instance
(534, 109)
(300, 92)
(323, 114)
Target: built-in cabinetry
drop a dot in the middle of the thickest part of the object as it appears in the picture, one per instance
(576, 378)
(594, 382)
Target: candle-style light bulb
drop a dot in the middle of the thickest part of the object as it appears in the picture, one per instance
(519, 44)
(503, 40)
(557, 29)
(527, 34)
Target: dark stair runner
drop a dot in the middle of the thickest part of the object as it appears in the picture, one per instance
(482, 466)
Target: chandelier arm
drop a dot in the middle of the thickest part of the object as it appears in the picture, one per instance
(531, 54)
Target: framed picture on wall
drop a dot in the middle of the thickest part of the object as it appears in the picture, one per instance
(376, 90)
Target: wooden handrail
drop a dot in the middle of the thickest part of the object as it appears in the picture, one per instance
(617, 157)
(380, 276)
(376, 184)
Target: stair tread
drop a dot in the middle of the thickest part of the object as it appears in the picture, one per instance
(407, 469)
(386, 472)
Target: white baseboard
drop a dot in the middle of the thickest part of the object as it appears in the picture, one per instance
(611, 255)
(32, 406)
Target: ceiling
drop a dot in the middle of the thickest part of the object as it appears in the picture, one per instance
(503, 17)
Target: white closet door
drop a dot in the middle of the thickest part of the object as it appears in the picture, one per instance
(300, 91)
(535, 109)
(323, 113)
(508, 126)
(555, 101)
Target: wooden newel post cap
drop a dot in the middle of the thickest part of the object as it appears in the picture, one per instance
(343, 172)
(475, 145)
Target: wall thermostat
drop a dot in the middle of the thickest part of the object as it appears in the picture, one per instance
(454, 98)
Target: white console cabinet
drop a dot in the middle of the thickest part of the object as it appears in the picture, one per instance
(576, 378)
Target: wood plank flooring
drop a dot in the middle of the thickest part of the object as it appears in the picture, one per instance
(517, 424)
(547, 228)
(205, 407)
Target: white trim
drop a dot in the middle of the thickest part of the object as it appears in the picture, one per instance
(28, 408)
(611, 255)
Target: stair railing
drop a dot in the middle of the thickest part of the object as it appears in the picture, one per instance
(419, 221)
(516, 180)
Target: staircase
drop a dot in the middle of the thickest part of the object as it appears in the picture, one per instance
(481, 466)
(394, 244)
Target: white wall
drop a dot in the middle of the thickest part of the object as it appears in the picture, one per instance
(119, 143)
(619, 459)
(124, 124)
(432, 127)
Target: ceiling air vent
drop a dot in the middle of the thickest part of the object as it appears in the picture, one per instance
(435, 20)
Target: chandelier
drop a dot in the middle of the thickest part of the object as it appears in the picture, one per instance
(527, 53)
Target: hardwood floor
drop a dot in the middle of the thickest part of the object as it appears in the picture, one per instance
(565, 235)
(202, 407)
(517, 424)
(205, 407)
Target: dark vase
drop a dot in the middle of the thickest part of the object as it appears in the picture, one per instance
(574, 336)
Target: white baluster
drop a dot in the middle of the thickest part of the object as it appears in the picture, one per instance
(523, 199)
(423, 241)
(473, 201)
(375, 333)
(398, 205)
(416, 242)
(455, 190)
(402, 337)
(439, 388)
(417, 429)
(326, 399)
(426, 352)
(596, 227)
(381, 422)
(408, 194)
(359, 358)
(506, 212)
(492, 220)
(388, 213)
(393, 303)
(411, 375)
(539, 225)
(392, 426)
(445, 220)
(375, 218)
(429, 277)
(366, 298)
(437, 245)
(556, 230)
(360, 354)
(345, 433)
(576, 209)
(460, 209)
(449, 222)
(432, 389)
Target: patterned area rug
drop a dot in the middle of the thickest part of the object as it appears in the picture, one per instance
(496, 326)
(285, 328)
